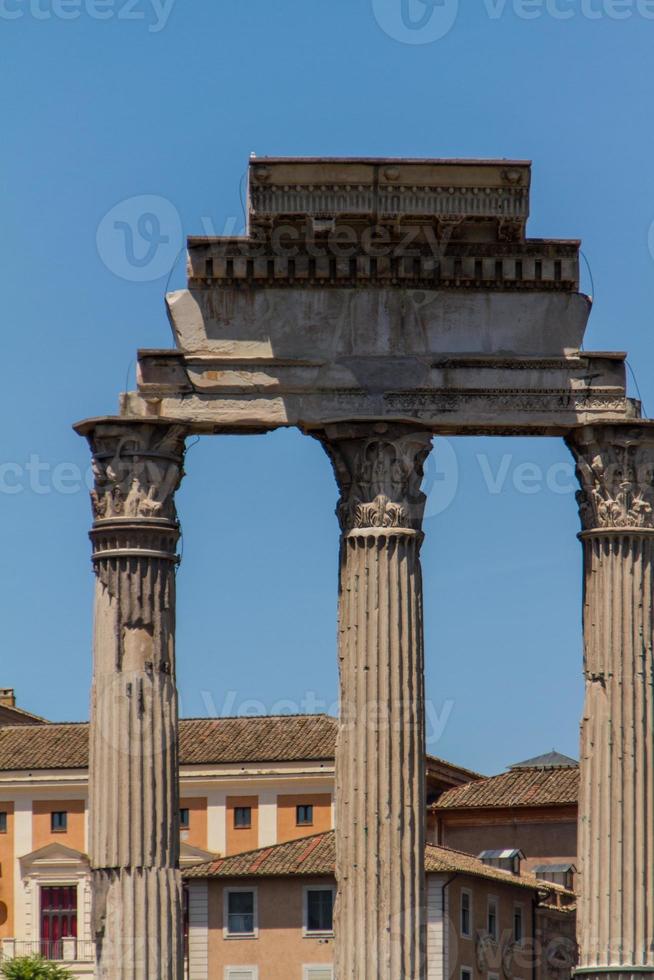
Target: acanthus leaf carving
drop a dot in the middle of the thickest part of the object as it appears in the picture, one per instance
(137, 468)
(615, 468)
(379, 470)
(380, 512)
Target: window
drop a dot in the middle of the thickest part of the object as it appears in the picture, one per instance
(240, 912)
(242, 817)
(466, 973)
(558, 874)
(518, 924)
(322, 972)
(58, 919)
(58, 821)
(184, 819)
(466, 913)
(304, 815)
(241, 973)
(492, 918)
(506, 860)
(3, 822)
(318, 911)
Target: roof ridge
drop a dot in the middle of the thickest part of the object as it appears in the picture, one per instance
(299, 714)
(23, 711)
(42, 726)
(453, 765)
(284, 843)
(572, 765)
(522, 876)
(308, 715)
(453, 850)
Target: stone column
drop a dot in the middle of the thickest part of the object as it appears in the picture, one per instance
(134, 806)
(615, 466)
(380, 767)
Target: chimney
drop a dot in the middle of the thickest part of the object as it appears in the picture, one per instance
(7, 697)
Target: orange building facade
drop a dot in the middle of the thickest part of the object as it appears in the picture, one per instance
(268, 915)
(248, 784)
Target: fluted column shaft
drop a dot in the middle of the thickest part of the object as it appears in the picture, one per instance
(134, 805)
(380, 768)
(616, 807)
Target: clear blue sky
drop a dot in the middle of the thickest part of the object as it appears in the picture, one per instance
(168, 101)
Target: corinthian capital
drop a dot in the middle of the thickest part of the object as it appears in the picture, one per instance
(379, 469)
(615, 468)
(137, 466)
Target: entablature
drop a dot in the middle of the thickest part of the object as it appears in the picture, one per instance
(382, 290)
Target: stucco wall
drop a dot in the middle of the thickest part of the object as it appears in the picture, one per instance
(74, 836)
(197, 831)
(280, 950)
(287, 828)
(462, 951)
(544, 839)
(241, 839)
(7, 873)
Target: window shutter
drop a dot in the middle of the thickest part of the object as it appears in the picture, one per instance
(241, 973)
(319, 973)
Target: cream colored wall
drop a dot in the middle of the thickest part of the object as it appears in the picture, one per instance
(280, 950)
(7, 873)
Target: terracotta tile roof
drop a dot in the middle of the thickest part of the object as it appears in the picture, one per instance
(202, 741)
(518, 787)
(44, 746)
(316, 855)
(285, 738)
(11, 715)
(434, 763)
(547, 761)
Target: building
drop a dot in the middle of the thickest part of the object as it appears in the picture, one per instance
(268, 915)
(245, 783)
(532, 807)
(10, 714)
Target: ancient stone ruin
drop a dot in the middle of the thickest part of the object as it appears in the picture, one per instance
(374, 305)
